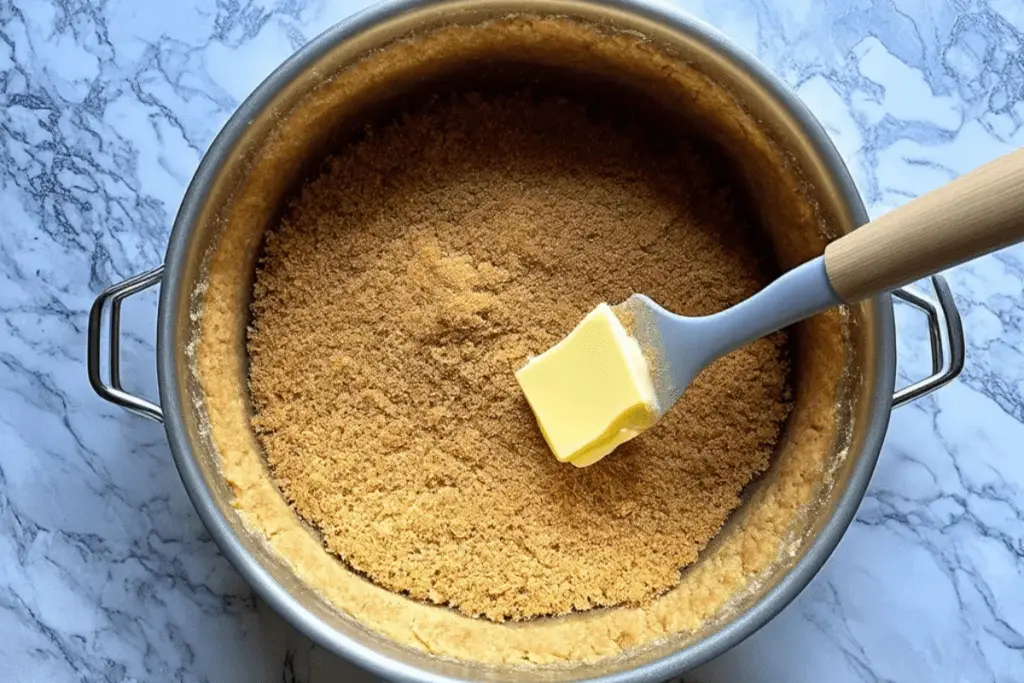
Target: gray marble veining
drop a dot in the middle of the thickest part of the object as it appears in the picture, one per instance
(106, 573)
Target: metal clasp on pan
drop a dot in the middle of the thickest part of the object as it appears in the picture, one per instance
(113, 391)
(943, 321)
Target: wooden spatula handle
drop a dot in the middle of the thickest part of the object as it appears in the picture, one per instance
(977, 213)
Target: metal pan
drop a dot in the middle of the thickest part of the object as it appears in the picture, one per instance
(764, 99)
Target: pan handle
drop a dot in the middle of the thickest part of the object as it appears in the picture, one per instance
(113, 391)
(943, 321)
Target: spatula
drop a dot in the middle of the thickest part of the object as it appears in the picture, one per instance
(971, 216)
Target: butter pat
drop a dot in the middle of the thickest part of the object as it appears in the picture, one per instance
(592, 391)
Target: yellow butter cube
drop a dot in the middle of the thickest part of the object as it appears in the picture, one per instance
(592, 391)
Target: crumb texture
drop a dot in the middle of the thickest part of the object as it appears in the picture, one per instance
(408, 281)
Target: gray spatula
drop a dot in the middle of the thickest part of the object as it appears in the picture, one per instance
(975, 214)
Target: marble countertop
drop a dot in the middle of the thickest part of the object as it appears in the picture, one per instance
(106, 573)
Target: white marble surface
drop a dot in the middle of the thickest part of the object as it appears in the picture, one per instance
(106, 573)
